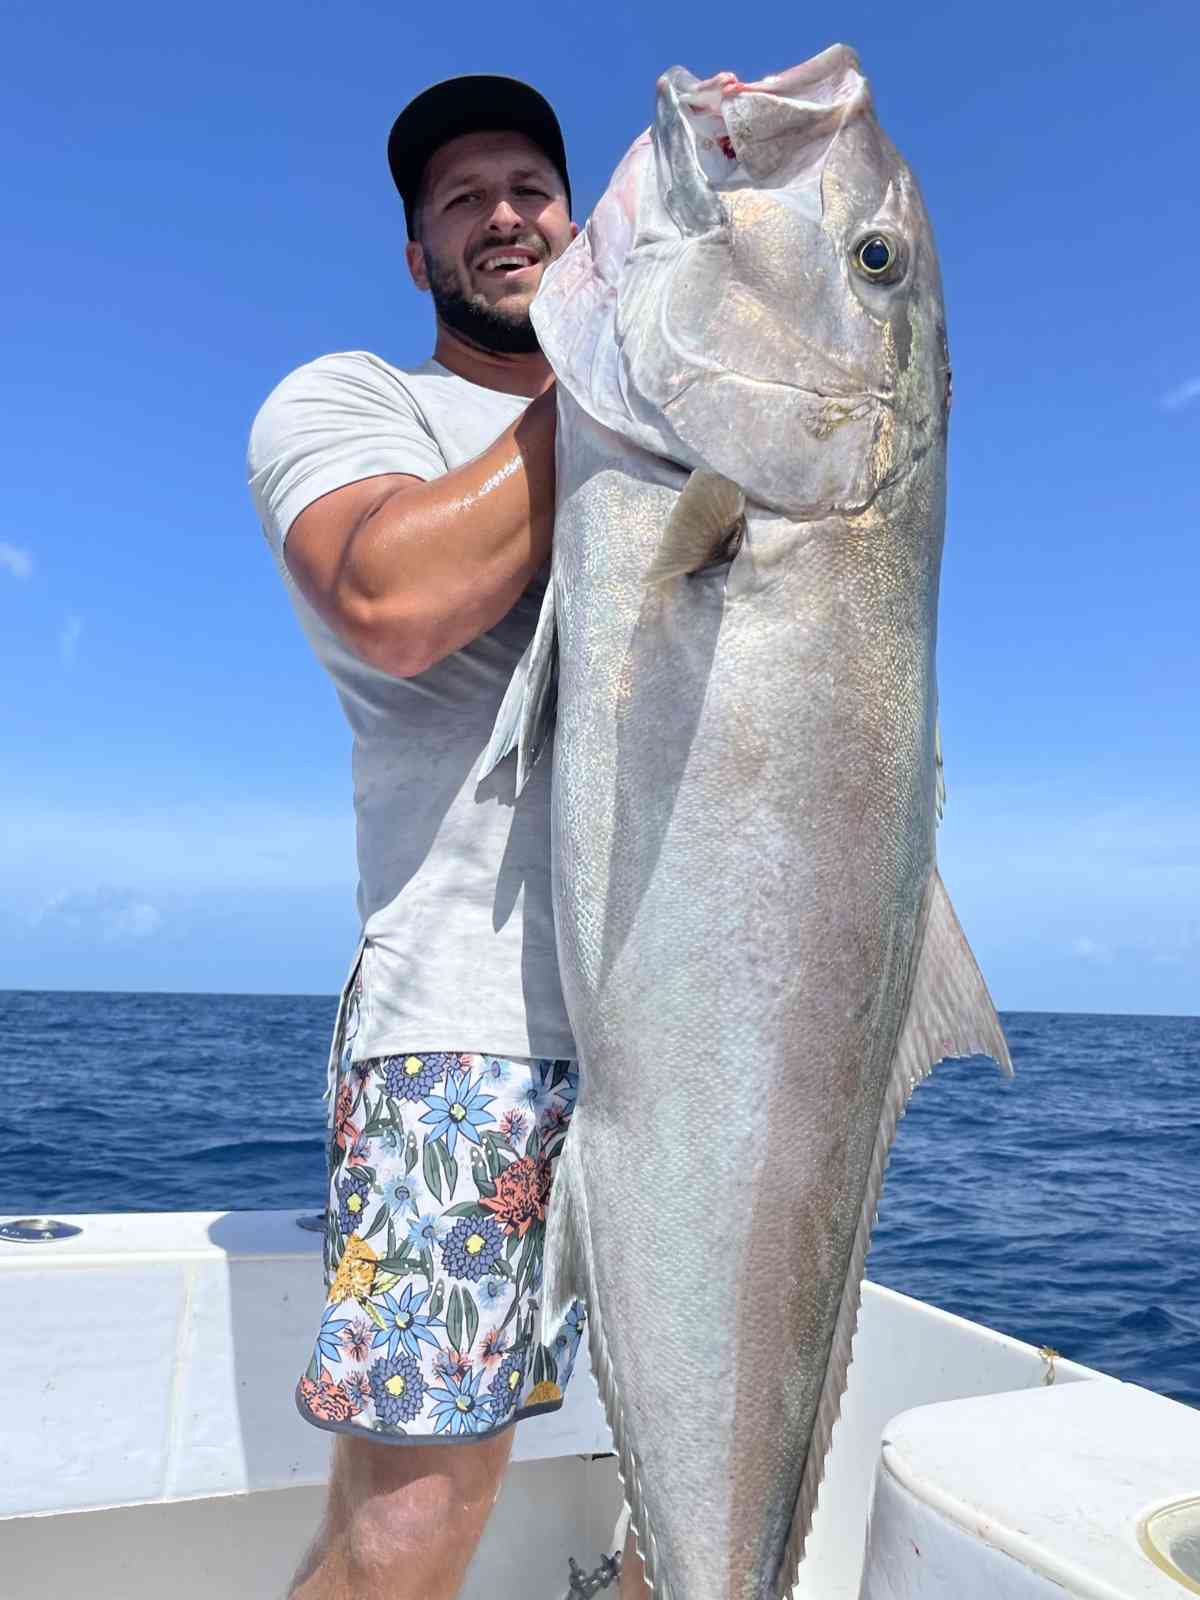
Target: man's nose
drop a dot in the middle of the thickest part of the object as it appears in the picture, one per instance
(504, 216)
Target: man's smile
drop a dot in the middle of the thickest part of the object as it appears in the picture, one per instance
(507, 261)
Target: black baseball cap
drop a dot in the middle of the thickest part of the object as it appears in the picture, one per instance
(471, 104)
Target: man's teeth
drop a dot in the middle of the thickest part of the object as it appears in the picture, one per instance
(503, 263)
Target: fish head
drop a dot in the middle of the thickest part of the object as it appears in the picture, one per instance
(759, 293)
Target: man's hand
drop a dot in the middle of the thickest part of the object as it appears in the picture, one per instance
(406, 572)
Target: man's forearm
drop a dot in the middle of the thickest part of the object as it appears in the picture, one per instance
(434, 565)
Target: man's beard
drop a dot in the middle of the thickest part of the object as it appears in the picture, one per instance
(477, 321)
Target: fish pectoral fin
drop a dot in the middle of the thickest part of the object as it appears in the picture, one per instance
(525, 719)
(950, 1012)
(705, 529)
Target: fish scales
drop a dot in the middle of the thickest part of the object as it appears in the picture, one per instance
(758, 958)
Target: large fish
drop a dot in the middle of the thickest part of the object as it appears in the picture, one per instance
(758, 956)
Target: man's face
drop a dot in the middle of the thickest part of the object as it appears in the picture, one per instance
(493, 213)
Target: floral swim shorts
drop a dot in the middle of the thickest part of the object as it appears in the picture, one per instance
(440, 1171)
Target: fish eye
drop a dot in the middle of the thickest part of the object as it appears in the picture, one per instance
(877, 258)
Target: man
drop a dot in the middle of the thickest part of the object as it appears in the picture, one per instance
(411, 514)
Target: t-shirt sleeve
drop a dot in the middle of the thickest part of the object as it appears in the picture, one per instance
(330, 423)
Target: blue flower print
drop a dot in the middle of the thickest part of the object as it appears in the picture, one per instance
(413, 1077)
(403, 1324)
(401, 1193)
(505, 1387)
(352, 1194)
(459, 1408)
(537, 1096)
(496, 1072)
(426, 1231)
(472, 1247)
(462, 1109)
(397, 1388)
(440, 1169)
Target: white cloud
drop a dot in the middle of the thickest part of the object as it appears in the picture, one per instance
(114, 916)
(171, 849)
(1182, 395)
(1076, 905)
(138, 920)
(68, 640)
(1088, 949)
(17, 561)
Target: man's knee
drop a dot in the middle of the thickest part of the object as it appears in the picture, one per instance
(402, 1504)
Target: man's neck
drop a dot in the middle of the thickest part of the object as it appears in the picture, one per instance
(527, 374)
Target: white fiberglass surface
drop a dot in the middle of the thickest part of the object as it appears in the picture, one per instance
(1171, 1537)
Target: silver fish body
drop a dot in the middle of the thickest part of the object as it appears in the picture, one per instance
(758, 957)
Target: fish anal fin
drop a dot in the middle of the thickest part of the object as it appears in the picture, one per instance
(706, 525)
(950, 1013)
(567, 1277)
(526, 717)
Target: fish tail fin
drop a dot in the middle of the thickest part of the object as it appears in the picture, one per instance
(949, 1013)
(567, 1277)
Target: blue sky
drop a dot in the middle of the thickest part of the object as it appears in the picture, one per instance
(199, 201)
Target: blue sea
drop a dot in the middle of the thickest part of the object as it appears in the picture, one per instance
(1063, 1208)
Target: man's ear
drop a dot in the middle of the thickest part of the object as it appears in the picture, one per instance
(574, 230)
(414, 254)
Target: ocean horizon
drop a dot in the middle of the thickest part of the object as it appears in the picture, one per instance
(1062, 1208)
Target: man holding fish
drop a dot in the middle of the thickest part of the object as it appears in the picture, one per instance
(758, 958)
(410, 512)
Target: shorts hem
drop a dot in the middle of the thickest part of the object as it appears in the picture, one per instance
(356, 1430)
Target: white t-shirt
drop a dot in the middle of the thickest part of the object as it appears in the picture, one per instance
(454, 874)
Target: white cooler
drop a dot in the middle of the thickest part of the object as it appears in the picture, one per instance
(1092, 1489)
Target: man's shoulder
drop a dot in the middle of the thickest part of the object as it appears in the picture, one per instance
(344, 388)
(351, 415)
(342, 373)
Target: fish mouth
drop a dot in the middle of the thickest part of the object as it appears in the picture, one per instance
(801, 453)
(822, 94)
(855, 397)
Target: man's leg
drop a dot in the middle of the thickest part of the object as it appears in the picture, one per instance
(633, 1574)
(402, 1521)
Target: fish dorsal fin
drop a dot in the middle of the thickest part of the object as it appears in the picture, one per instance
(526, 716)
(950, 1013)
(705, 526)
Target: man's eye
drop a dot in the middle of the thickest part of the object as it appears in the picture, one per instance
(530, 189)
(458, 199)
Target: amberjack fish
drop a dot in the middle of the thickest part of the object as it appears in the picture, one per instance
(758, 955)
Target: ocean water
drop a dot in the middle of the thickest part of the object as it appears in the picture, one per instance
(1063, 1208)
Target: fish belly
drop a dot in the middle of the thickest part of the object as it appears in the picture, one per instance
(735, 947)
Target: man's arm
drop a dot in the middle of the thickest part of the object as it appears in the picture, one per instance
(406, 572)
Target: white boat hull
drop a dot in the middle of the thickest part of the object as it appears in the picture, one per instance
(146, 1377)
